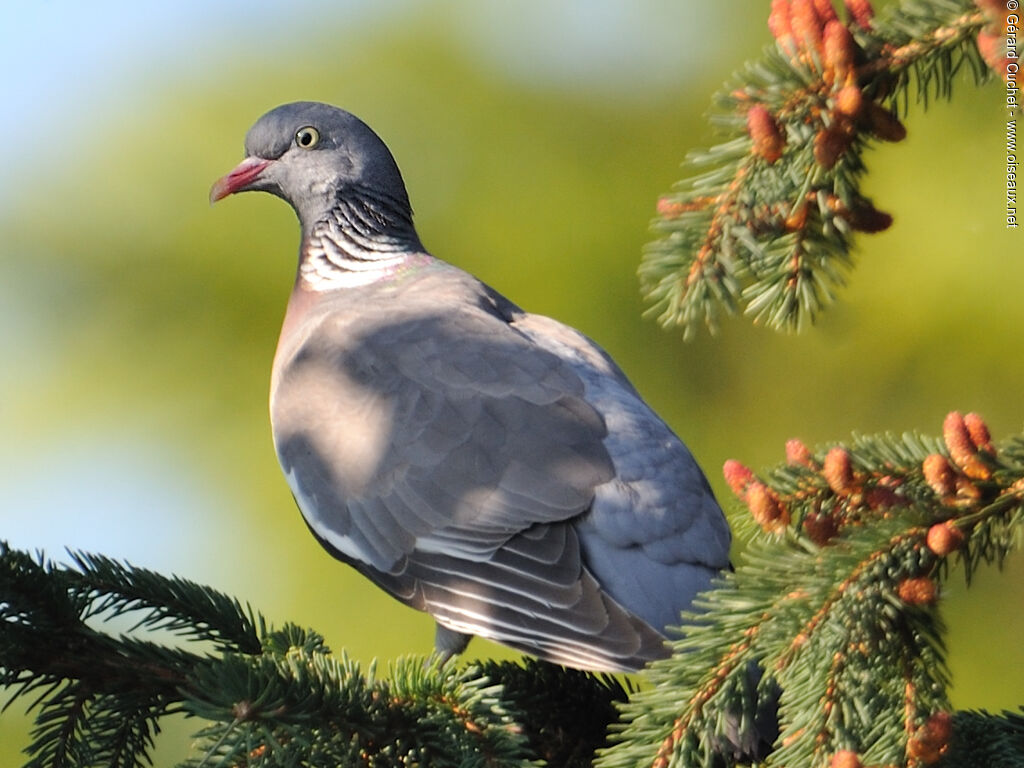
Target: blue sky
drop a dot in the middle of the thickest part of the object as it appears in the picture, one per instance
(62, 62)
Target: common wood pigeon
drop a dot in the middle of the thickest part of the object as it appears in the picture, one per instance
(492, 467)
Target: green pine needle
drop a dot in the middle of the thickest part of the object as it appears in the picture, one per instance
(764, 221)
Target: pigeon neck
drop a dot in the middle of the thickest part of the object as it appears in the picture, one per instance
(366, 236)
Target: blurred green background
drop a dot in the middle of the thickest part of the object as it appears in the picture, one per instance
(137, 325)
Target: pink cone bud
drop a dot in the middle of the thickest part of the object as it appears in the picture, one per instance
(939, 475)
(860, 12)
(961, 448)
(919, 590)
(807, 25)
(944, 538)
(768, 140)
(850, 101)
(765, 508)
(738, 476)
(838, 471)
(978, 431)
(798, 454)
(839, 52)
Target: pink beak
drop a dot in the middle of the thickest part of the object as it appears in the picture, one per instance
(238, 179)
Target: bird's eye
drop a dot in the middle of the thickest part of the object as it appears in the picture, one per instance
(307, 137)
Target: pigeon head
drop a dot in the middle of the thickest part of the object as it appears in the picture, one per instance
(309, 154)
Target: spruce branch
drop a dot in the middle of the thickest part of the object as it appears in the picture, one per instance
(981, 740)
(764, 220)
(297, 704)
(565, 713)
(270, 697)
(836, 604)
(99, 698)
(173, 604)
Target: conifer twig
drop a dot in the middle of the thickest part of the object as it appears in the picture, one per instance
(836, 602)
(764, 220)
(269, 697)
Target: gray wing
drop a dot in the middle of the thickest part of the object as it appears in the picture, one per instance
(655, 535)
(443, 453)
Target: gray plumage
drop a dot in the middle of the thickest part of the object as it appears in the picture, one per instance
(491, 467)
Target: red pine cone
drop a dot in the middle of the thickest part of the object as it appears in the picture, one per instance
(850, 101)
(765, 508)
(830, 144)
(881, 497)
(807, 26)
(779, 24)
(846, 758)
(839, 52)
(768, 140)
(738, 476)
(962, 448)
(797, 219)
(860, 12)
(798, 454)
(978, 431)
(944, 538)
(820, 528)
(931, 741)
(939, 475)
(825, 10)
(918, 590)
(838, 471)
(884, 124)
(866, 218)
